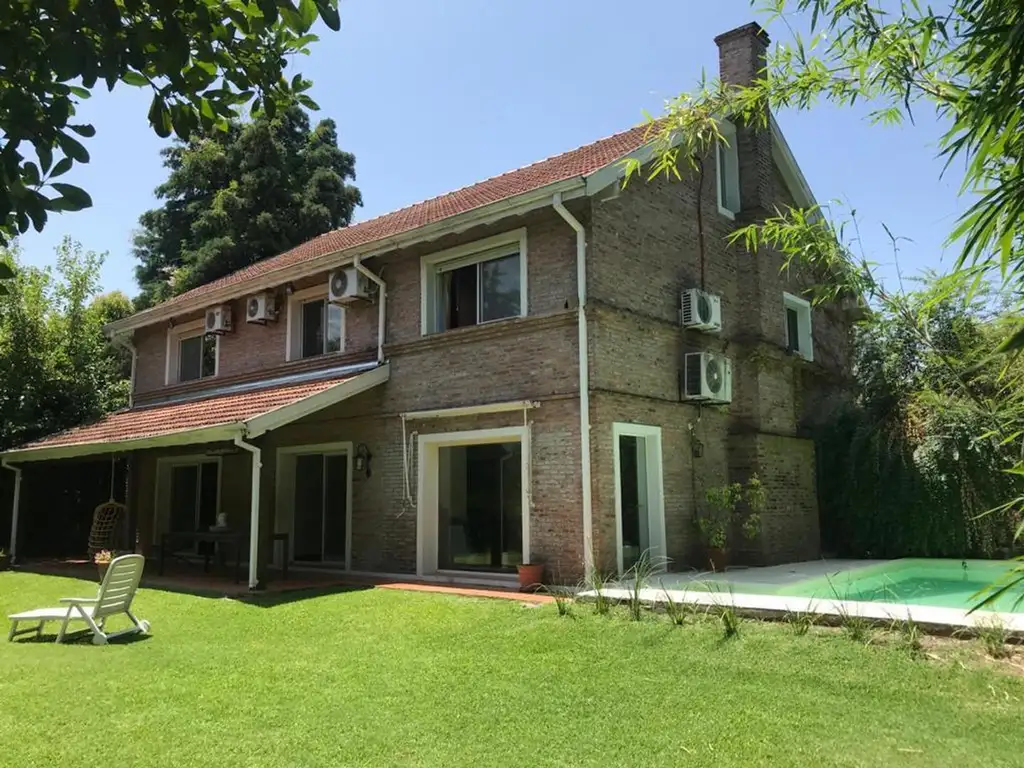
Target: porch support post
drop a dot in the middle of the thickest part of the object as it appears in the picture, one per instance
(254, 510)
(14, 510)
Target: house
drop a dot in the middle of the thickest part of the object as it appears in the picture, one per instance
(525, 369)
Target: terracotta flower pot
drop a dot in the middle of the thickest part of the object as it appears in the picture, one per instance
(531, 576)
(717, 558)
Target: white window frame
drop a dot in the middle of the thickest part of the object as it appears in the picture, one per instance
(432, 265)
(293, 323)
(285, 485)
(162, 488)
(805, 331)
(427, 487)
(732, 182)
(178, 334)
(655, 492)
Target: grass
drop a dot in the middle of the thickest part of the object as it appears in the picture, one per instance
(381, 677)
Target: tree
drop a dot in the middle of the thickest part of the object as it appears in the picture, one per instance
(238, 196)
(202, 60)
(964, 62)
(57, 370)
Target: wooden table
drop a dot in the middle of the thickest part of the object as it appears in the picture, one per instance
(236, 538)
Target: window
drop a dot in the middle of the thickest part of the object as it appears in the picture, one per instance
(798, 326)
(727, 167)
(191, 354)
(474, 284)
(315, 325)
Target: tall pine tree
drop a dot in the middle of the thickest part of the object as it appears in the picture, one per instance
(239, 196)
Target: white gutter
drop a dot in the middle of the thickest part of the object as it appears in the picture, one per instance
(584, 366)
(471, 410)
(382, 295)
(574, 187)
(14, 509)
(120, 341)
(254, 510)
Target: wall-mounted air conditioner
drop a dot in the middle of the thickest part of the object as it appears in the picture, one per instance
(707, 377)
(347, 285)
(259, 308)
(700, 311)
(218, 319)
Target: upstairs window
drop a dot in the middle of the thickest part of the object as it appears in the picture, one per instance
(799, 340)
(727, 171)
(315, 325)
(192, 354)
(475, 284)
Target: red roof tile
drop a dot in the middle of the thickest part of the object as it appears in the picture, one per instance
(159, 420)
(577, 162)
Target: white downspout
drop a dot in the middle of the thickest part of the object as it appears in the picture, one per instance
(382, 295)
(14, 509)
(584, 365)
(121, 341)
(254, 509)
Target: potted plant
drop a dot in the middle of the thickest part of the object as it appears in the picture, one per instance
(531, 576)
(5, 560)
(102, 560)
(726, 508)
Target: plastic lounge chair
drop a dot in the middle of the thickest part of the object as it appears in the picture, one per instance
(114, 597)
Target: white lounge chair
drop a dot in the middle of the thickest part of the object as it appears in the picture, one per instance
(114, 597)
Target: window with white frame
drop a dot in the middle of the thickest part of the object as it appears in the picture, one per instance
(727, 167)
(192, 354)
(475, 284)
(799, 339)
(315, 325)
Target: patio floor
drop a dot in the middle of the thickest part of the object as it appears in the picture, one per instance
(183, 576)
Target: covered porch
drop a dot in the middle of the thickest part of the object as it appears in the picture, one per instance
(203, 475)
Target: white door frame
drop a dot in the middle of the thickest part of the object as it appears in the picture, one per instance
(162, 488)
(427, 486)
(655, 490)
(285, 485)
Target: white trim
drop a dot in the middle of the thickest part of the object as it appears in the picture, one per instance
(179, 333)
(164, 465)
(655, 490)
(805, 330)
(427, 491)
(293, 328)
(495, 247)
(472, 410)
(727, 144)
(286, 414)
(286, 501)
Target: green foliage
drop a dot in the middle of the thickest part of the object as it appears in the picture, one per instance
(202, 61)
(57, 370)
(994, 636)
(241, 195)
(731, 623)
(728, 506)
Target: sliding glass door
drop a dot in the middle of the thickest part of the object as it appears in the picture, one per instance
(321, 507)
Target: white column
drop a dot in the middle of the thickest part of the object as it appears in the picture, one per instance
(15, 509)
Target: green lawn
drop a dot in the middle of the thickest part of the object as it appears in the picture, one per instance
(386, 678)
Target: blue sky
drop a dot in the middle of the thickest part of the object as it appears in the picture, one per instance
(431, 96)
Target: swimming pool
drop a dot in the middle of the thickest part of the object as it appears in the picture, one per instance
(913, 581)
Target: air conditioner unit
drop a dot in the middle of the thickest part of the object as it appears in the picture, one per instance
(700, 310)
(347, 285)
(707, 377)
(218, 319)
(259, 308)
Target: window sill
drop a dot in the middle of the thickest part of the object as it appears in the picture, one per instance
(727, 213)
(489, 330)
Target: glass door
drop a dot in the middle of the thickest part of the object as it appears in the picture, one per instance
(321, 507)
(635, 509)
(480, 514)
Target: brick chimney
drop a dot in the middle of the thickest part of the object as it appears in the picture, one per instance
(741, 58)
(741, 53)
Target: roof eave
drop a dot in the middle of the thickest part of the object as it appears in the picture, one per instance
(486, 214)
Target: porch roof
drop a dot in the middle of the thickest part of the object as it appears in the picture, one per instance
(216, 418)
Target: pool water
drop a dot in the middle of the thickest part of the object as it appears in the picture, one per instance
(940, 583)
